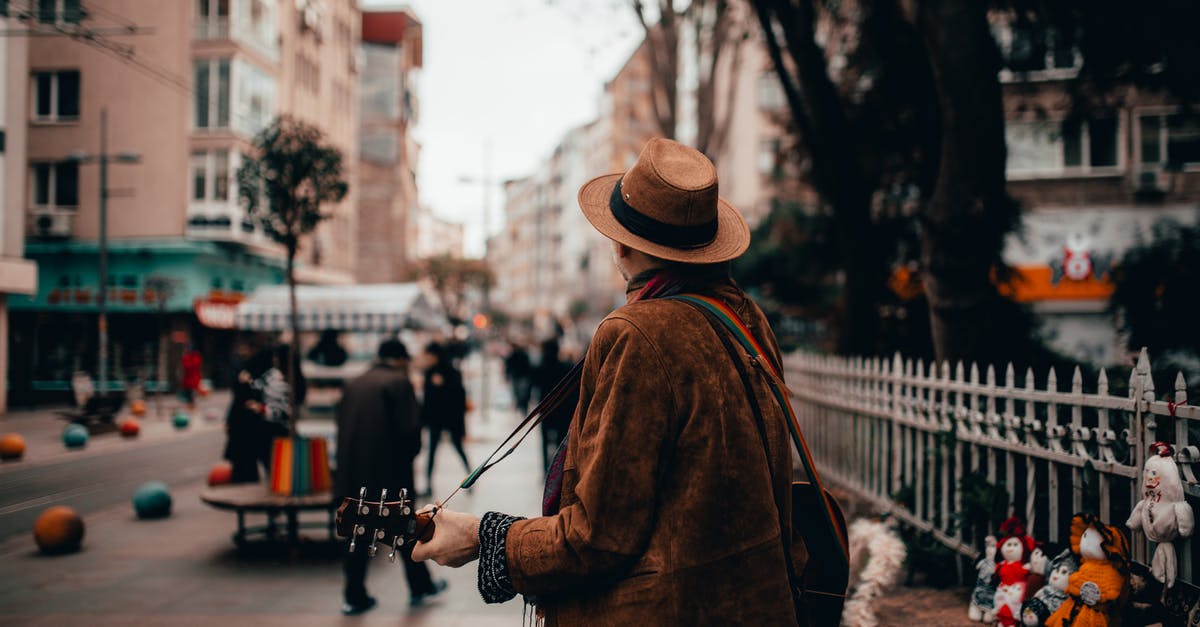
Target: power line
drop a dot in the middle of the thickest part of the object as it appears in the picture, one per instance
(128, 54)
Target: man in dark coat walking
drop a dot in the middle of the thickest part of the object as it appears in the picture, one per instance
(379, 435)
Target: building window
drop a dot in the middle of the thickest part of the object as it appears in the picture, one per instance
(56, 184)
(212, 19)
(212, 93)
(768, 156)
(58, 11)
(1171, 141)
(56, 96)
(210, 176)
(1031, 47)
(1062, 148)
(770, 92)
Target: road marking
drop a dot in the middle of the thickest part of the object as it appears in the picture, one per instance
(50, 498)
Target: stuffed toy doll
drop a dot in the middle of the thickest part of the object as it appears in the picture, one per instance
(1012, 572)
(1039, 566)
(984, 594)
(1096, 590)
(1036, 610)
(1163, 515)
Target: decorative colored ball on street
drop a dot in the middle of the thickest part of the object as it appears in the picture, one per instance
(212, 415)
(12, 447)
(58, 530)
(220, 474)
(75, 436)
(152, 500)
(181, 420)
(130, 428)
(138, 407)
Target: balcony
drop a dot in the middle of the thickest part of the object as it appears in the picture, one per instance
(212, 28)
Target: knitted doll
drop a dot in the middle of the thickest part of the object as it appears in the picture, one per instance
(1163, 514)
(1039, 566)
(1036, 610)
(984, 594)
(1095, 591)
(1012, 570)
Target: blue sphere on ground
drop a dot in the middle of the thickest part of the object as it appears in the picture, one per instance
(152, 500)
(180, 420)
(75, 436)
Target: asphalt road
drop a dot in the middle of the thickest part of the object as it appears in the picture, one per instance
(99, 481)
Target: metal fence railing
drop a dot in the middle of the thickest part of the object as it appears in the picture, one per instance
(910, 437)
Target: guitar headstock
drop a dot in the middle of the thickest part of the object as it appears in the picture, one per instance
(392, 523)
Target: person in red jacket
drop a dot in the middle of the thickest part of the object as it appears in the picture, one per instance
(190, 383)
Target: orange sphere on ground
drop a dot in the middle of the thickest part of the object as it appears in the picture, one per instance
(220, 474)
(138, 407)
(58, 530)
(130, 428)
(12, 446)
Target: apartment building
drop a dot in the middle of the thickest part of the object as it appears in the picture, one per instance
(388, 228)
(171, 93)
(18, 276)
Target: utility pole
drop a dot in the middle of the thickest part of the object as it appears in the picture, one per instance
(486, 306)
(102, 266)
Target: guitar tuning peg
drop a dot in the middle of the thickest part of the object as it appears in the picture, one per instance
(362, 494)
(358, 531)
(383, 510)
(395, 543)
(379, 535)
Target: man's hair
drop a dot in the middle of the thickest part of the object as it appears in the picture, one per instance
(393, 348)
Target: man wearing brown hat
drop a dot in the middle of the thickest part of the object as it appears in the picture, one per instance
(664, 506)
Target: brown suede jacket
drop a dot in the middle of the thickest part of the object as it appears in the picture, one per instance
(668, 507)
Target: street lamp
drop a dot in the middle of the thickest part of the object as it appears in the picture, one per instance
(103, 158)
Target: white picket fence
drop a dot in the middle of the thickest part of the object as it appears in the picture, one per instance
(881, 427)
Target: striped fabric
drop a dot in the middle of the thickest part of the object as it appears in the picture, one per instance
(369, 308)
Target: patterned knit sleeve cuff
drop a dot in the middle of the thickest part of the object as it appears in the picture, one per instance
(495, 586)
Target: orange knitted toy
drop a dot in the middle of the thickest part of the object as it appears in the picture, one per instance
(1095, 591)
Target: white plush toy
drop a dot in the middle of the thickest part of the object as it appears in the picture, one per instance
(984, 595)
(1163, 515)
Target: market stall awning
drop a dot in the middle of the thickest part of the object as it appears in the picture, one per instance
(382, 308)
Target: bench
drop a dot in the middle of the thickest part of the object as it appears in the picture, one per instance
(256, 498)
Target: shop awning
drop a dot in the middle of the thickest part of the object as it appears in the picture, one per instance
(381, 308)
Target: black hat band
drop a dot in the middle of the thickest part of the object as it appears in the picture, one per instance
(674, 235)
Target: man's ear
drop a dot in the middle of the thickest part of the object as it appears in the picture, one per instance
(623, 251)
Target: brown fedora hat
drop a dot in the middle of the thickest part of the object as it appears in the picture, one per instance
(667, 205)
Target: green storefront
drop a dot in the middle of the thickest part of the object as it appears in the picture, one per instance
(54, 334)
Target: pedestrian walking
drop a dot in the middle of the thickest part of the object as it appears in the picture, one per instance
(378, 437)
(443, 406)
(518, 368)
(665, 505)
(550, 370)
(189, 386)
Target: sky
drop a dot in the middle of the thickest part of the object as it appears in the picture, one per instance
(514, 75)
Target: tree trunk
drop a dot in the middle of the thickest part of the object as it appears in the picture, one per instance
(837, 173)
(969, 212)
(293, 406)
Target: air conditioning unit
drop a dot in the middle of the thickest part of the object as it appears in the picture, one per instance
(1155, 181)
(52, 224)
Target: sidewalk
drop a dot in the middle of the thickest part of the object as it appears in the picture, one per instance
(42, 430)
(184, 571)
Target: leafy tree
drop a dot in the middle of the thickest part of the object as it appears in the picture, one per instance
(451, 277)
(284, 184)
(893, 99)
(1156, 296)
